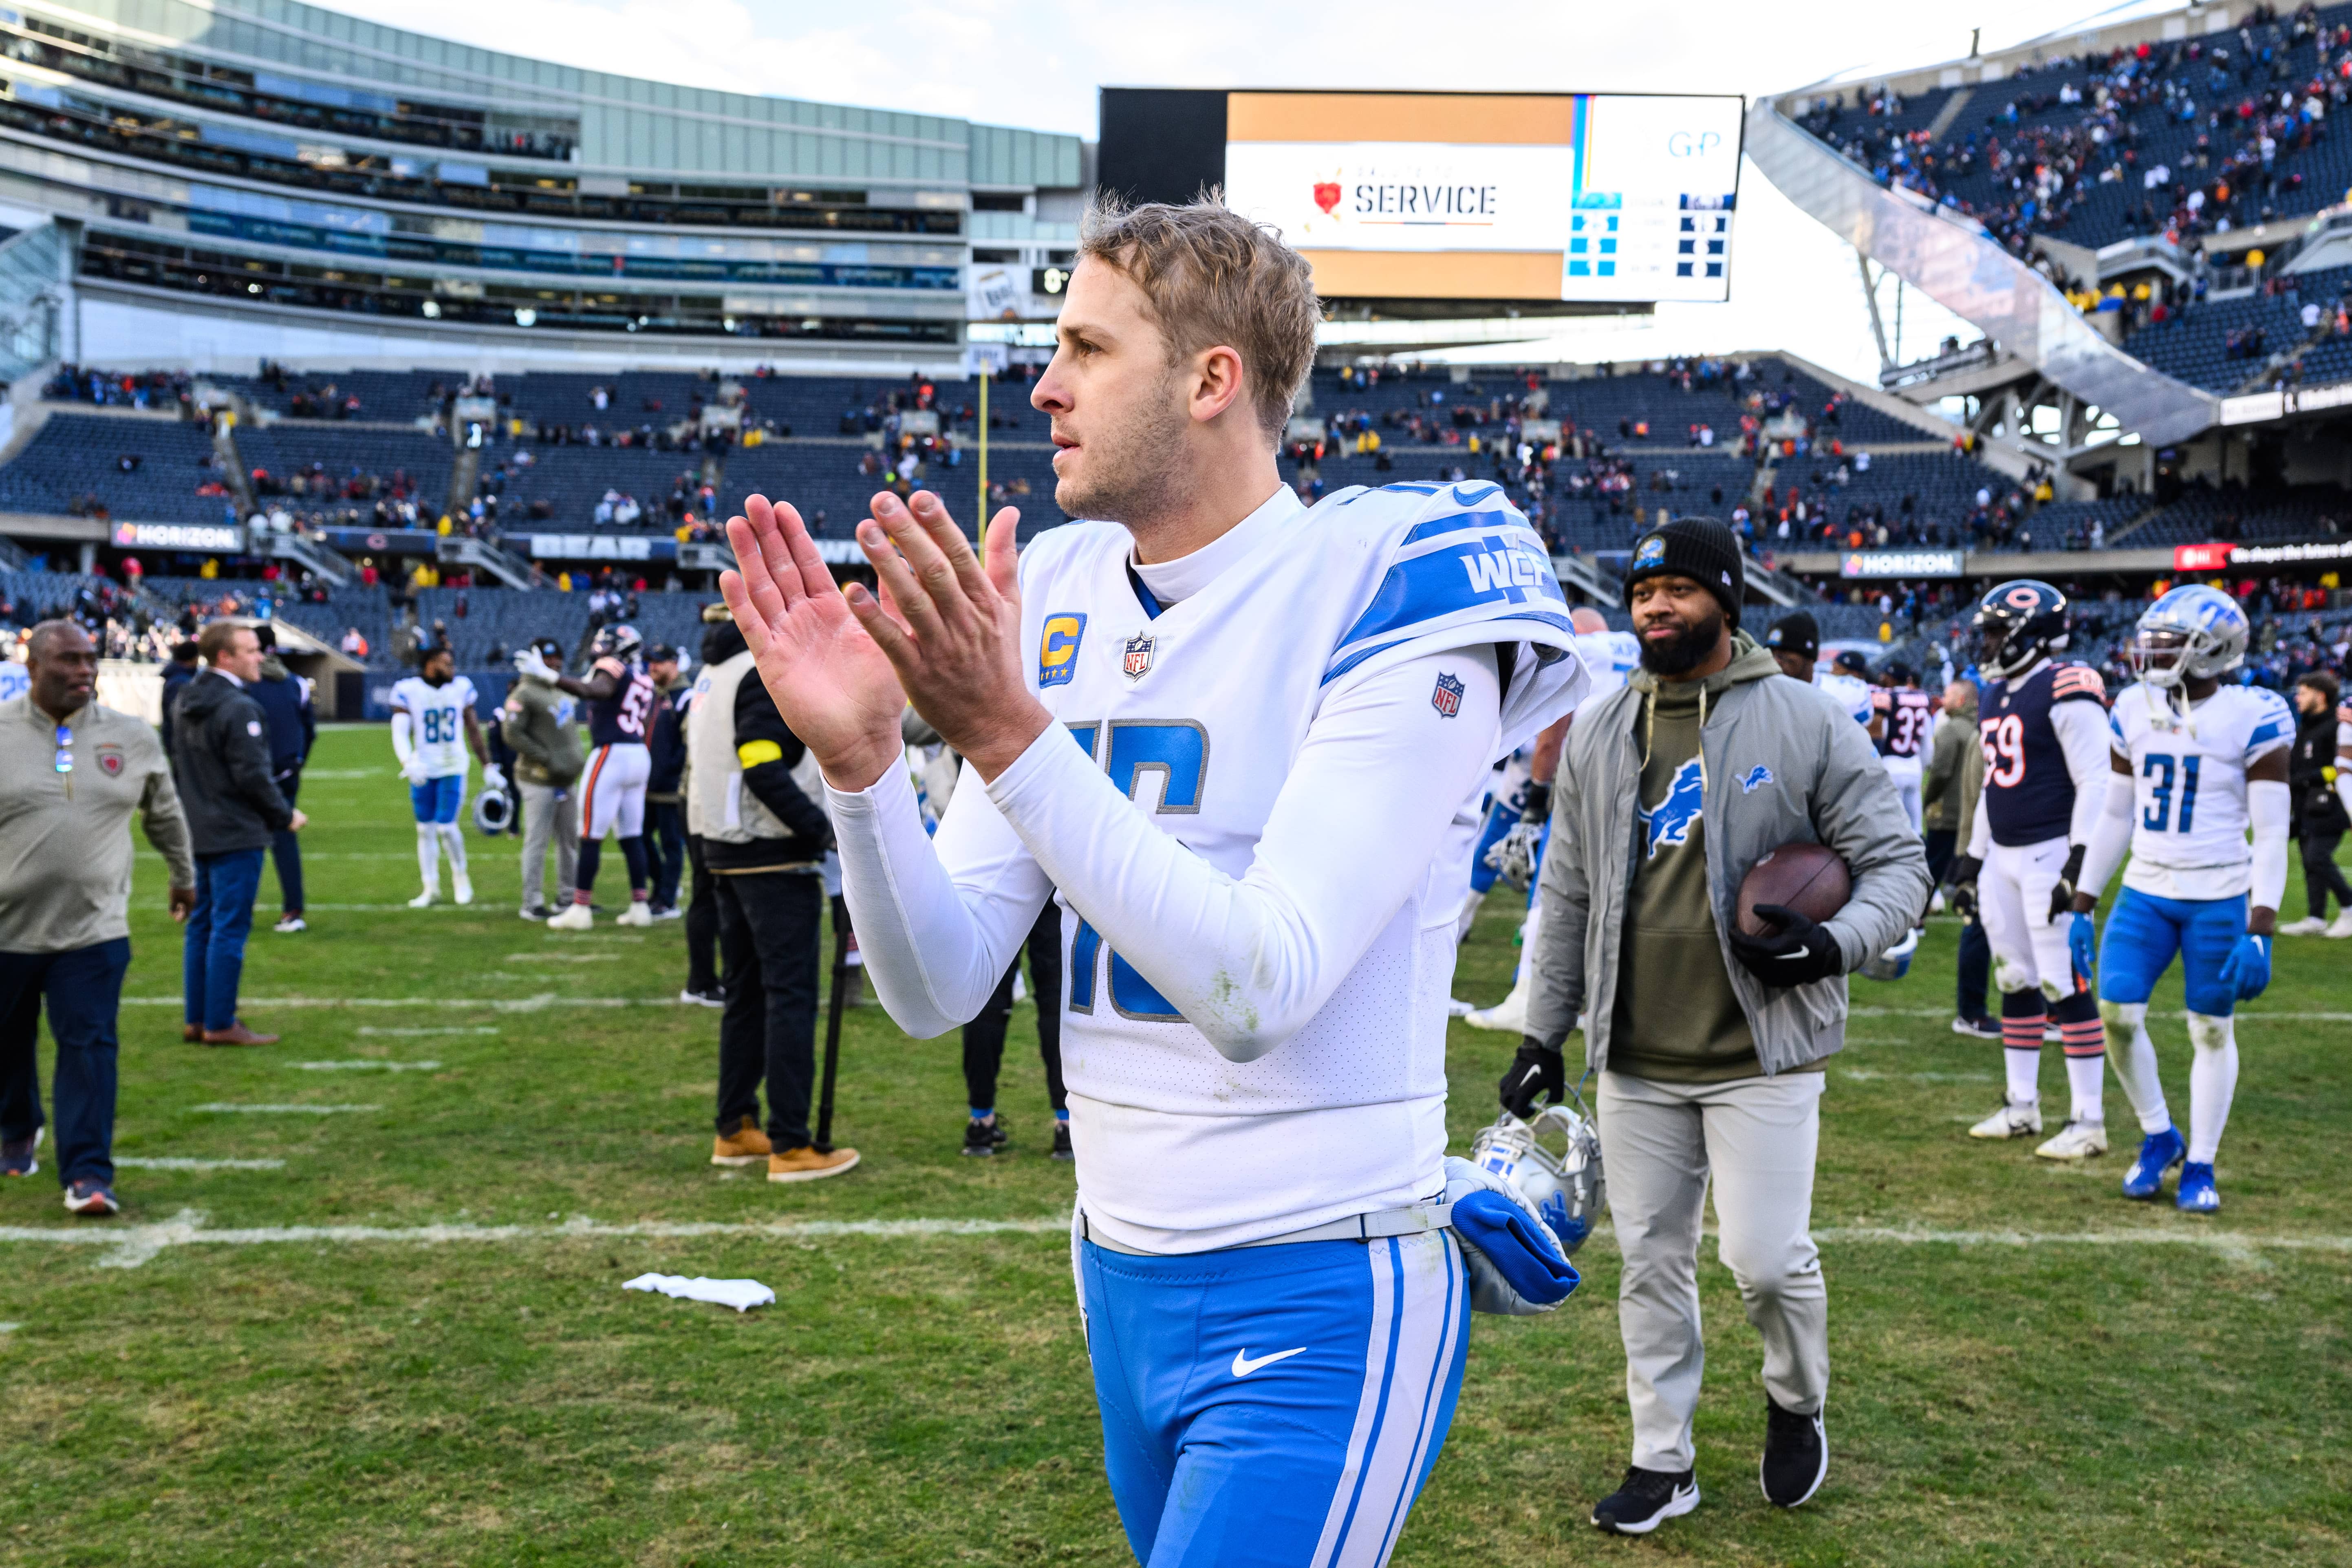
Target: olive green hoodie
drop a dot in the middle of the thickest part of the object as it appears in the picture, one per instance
(1687, 1027)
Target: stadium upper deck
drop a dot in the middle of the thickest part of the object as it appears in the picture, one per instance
(257, 179)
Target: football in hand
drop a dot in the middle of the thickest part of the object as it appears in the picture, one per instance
(1807, 878)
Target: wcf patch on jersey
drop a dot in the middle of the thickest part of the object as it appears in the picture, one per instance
(1057, 650)
(1447, 697)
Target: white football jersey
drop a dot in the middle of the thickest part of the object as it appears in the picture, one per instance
(1198, 715)
(1611, 657)
(2188, 785)
(1852, 693)
(438, 720)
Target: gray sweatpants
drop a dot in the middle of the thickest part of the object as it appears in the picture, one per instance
(548, 811)
(1659, 1144)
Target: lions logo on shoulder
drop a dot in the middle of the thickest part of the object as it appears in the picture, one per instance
(1447, 697)
(1650, 553)
(1138, 659)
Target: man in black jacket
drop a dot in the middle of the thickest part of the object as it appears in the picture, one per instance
(763, 837)
(221, 758)
(2319, 772)
(293, 729)
(665, 754)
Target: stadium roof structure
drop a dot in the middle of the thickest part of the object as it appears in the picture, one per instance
(2143, 215)
(262, 179)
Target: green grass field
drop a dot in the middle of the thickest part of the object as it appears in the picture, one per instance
(2026, 1368)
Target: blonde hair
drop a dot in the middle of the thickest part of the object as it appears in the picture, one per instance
(1213, 277)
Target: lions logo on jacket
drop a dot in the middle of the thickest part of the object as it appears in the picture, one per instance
(1669, 822)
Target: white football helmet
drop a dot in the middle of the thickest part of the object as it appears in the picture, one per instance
(492, 811)
(2194, 631)
(1895, 962)
(1566, 1188)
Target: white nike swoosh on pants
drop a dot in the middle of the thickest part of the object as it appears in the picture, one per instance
(1243, 1367)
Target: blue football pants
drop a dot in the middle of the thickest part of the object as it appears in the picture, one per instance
(2144, 932)
(1274, 1407)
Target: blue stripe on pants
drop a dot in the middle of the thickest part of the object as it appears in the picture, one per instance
(1274, 1407)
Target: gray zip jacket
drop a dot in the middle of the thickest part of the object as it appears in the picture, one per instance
(1783, 763)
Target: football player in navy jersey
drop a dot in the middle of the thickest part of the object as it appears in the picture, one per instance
(619, 697)
(2043, 726)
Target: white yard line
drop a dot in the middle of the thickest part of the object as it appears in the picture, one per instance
(365, 1066)
(452, 1029)
(534, 1003)
(128, 1247)
(161, 1163)
(2244, 1014)
(284, 1110)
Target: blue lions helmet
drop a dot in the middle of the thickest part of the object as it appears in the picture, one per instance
(2017, 623)
(2194, 633)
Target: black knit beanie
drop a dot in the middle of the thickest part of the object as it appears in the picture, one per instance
(1697, 548)
(1797, 633)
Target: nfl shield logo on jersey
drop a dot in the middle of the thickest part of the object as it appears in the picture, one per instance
(1138, 656)
(1447, 697)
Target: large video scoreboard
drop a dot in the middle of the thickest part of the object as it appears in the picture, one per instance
(1596, 197)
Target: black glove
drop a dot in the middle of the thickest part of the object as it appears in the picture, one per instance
(1799, 954)
(1961, 878)
(1535, 805)
(2061, 897)
(1536, 1067)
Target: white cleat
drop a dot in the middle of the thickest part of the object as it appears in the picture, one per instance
(576, 917)
(2076, 1141)
(1457, 1009)
(465, 887)
(1509, 1015)
(2343, 925)
(423, 901)
(2310, 925)
(2011, 1121)
(636, 914)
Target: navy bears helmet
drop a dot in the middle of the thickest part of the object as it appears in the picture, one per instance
(618, 641)
(2018, 622)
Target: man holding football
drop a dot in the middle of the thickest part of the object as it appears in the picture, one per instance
(1709, 1039)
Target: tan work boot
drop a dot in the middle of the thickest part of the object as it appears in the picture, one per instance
(747, 1145)
(806, 1165)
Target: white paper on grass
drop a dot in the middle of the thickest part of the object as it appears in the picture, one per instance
(740, 1294)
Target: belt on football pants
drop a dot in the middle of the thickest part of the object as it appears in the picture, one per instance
(1411, 1220)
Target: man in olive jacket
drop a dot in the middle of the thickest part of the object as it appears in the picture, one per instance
(220, 755)
(538, 725)
(1708, 1042)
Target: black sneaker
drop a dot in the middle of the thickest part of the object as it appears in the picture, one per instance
(534, 911)
(1062, 1149)
(21, 1156)
(714, 997)
(1646, 1499)
(985, 1137)
(1977, 1026)
(1796, 1456)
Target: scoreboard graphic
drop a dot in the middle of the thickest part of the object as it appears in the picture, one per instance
(1582, 196)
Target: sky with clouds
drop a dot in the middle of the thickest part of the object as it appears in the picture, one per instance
(1037, 63)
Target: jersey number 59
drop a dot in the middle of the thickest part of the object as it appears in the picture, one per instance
(2004, 749)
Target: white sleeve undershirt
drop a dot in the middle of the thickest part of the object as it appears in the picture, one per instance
(2083, 732)
(1363, 811)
